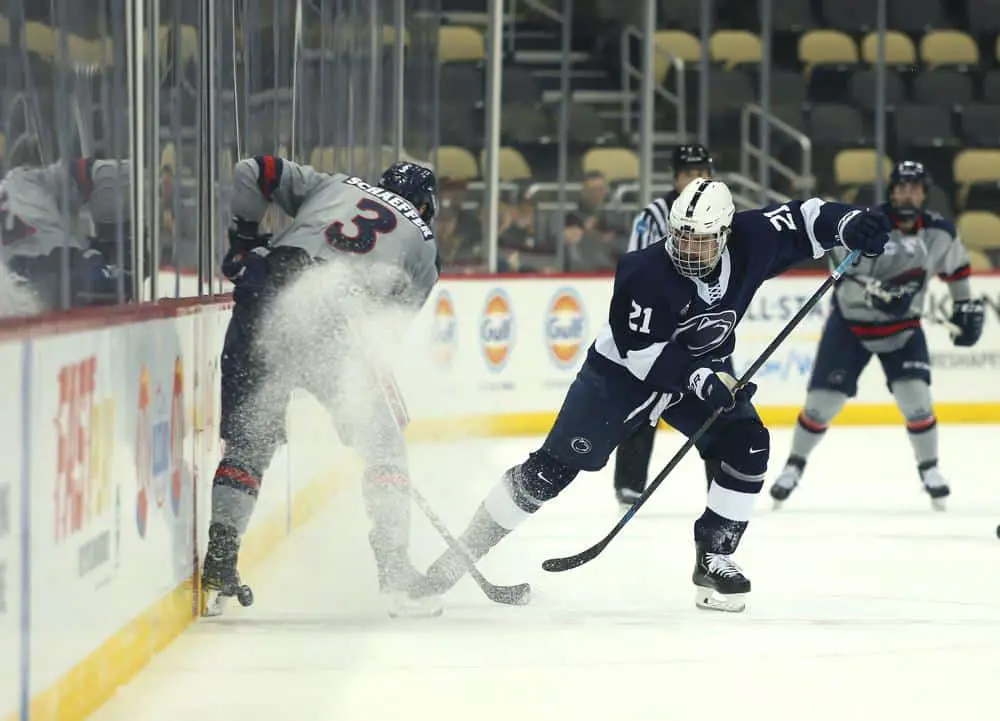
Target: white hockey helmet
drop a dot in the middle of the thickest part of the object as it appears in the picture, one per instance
(700, 222)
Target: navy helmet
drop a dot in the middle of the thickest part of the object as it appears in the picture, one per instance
(690, 157)
(415, 183)
(909, 171)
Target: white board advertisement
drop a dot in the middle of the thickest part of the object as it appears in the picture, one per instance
(504, 346)
(13, 629)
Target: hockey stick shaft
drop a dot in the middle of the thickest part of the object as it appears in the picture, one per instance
(509, 595)
(556, 565)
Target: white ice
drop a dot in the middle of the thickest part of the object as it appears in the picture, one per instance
(867, 604)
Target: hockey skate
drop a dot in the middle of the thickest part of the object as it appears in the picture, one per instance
(936, 486)
(626, 498)
(720, 583)
(220, 580)
(397, 579)
(785, 483)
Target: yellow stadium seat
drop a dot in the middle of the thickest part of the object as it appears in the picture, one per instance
(899, 49)
(614, 163)
(456, 163)
(948, 47)
(734, 47)
(858, 166)
(979, 229)
(513, 165)
(826, 47)
(460, 43)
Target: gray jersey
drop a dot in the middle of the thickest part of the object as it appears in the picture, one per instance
(40, 207)
(341, 218)
(883, 298)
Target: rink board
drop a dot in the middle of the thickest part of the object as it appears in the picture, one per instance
(110, 437)
(501, 353)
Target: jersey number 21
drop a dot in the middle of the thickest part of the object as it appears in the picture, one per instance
(375, 219)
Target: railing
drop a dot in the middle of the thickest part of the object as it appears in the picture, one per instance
(630, 73)
(802, 180)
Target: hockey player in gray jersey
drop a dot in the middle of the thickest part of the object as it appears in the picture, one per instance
(378, 240)
(40, 214)
(877, 311)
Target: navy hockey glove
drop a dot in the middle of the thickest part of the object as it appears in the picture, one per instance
(716, 389)
(243, 236)
(967, 321)
(868, 231)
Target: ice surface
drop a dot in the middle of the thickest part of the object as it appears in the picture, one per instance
(866, 605)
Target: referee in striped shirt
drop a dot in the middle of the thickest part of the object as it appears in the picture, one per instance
(650, 226)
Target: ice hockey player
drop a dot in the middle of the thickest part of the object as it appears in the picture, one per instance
(632, 456)
(40, 207)
(876, 311)
(666, 353)
(368, 231)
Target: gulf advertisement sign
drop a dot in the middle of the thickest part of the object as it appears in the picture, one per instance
(497, 329)
(565, 328)
(444, 330)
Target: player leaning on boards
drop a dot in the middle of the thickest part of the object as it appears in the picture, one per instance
(876, 311)
(650, 226)
(666, 353)
(340, 222)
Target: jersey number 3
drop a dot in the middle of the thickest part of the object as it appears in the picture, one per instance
(374, 220)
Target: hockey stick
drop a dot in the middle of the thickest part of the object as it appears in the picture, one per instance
(516, 595)
(556, 565)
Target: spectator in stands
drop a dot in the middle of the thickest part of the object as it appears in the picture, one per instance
(604, 239)
(587, 250)
(454, 193)
(459, 252)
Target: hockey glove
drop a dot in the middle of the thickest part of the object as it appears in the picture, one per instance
(967, 319)
(716, 389)
(868, 231)
(243, 236)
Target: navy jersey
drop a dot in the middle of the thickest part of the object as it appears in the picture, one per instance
(661, 325)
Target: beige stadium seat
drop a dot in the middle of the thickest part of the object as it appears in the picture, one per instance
(974, 166)
(513, 165)
(460, 43)
(40, 39)
(389, 36)
(4, 30)
(678, 43)
(734, 47)
(979, 229)
(979, 261)
(456, 163)
(899, 49)
(858, 166)
(615, 163)
(948, 47)
(826, 47)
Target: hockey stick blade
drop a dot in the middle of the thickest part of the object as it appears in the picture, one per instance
(516, 595)
(556, 565)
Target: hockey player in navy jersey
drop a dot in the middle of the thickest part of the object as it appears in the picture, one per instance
(632, 456)
(876, 311)
(665, 352)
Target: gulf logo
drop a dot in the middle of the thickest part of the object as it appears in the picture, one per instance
(497, 329)
(444, 330)
(565, 327)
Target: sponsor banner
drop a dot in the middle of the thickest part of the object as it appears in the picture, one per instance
(112, 519)
(500, 346)
(11, 547)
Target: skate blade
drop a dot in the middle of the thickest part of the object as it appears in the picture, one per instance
(777, 505)
(400, 605)
(709, 600)
(939, 504)
(213, 604)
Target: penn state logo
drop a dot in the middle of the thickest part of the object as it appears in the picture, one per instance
(581, 445)
(565, 328)
(704, 333)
